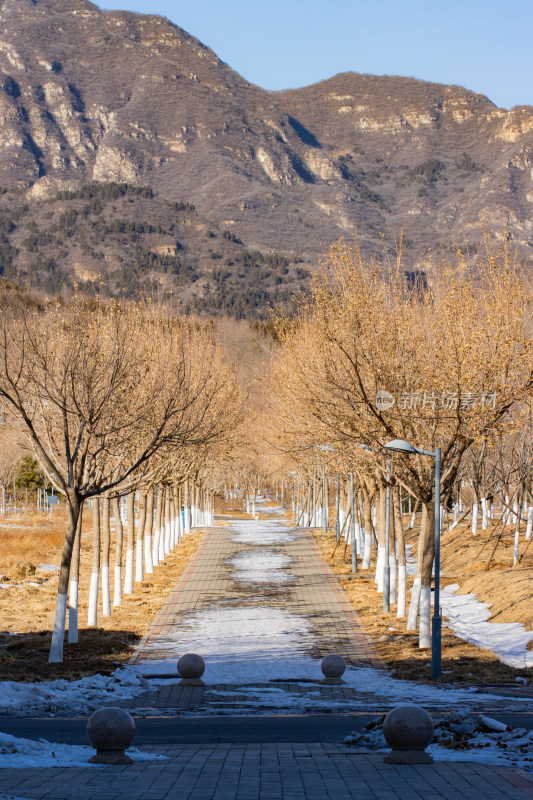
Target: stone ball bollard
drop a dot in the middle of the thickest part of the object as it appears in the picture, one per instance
(408, 730)
(333, 667)
(191, 667)
(110, 731)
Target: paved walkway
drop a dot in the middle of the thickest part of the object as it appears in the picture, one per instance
(306, 588)
(261, 771)
(268, 772)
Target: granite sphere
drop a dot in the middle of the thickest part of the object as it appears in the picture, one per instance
(408, 727)
(191, 666)
(333, 666)
(110, 731)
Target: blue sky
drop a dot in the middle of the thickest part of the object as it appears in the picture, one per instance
(484, 45)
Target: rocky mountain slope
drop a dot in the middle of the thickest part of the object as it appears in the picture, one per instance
(88, 95)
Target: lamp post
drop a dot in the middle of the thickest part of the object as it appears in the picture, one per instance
(386, 560)
(401, 446)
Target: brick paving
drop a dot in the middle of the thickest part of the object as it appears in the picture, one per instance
(269, 772)
(313, 593)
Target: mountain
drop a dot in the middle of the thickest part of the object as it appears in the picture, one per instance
(114, 97)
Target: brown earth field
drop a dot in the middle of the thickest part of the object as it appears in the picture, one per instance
(27, 610)
(463, 561)
(28, 540)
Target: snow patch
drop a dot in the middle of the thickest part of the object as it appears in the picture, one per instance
(26, 753)
(61, 697)
(468, 618)
(260, 566)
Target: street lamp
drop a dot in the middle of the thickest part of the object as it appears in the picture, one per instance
(401, 446)
(386, 565)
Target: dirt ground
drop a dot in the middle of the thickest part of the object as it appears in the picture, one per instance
(27, 610)
(463, 560)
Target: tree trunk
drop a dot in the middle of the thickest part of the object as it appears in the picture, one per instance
(130, 544)
(187, 509)
(148, 563)
(106, 546)
(139, 575)
(158, 523)
(58, 633)
(398, 530)
(92, 615)
(367, 551)
(412, 616)
(74, 586)
(381, 539)
(392, 551)
(167, 522)
(117, 598)
(428, 552)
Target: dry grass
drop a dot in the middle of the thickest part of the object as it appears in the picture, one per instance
(29, 537)
(508, 589)
(28, 611)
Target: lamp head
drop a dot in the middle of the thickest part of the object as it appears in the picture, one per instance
(401, 446)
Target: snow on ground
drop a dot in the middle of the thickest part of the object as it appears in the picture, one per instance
(262, 532)
(260, 566)
(240, 644)
(468, 618)
(26, 753)
(61, 697)
(461, 736)
(257, 644)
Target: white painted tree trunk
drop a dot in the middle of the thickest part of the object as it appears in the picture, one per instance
(187, 509)
(73, 612)
(117, 593)
(475, 513)
(516, 547)
(74, 586)
(148, 562)
(393, 578)
(58, 633)
(139, 542)
(106, 596)
(130, 547)
(484, 514)
(424, 633)
(168, 524)
(506, 511)
(529, 527)
(412, 616)
(119, 530)
(106, 545)
(402, 590)
(162, 528)
(157, 527)
(367, 551)
(173, 538)
(92, 612)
